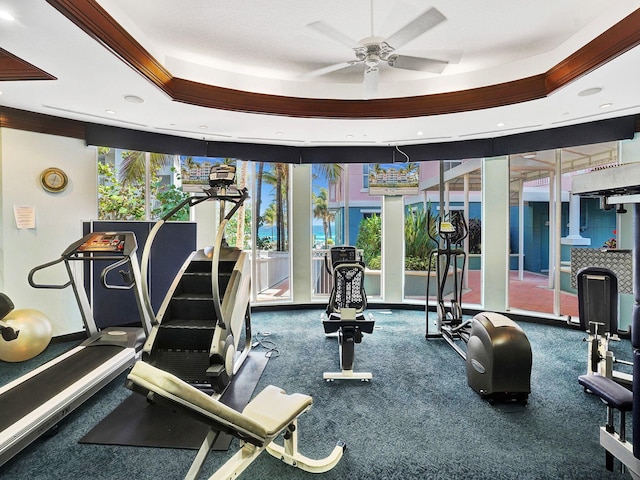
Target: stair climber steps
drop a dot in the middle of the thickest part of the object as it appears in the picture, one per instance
(184, 335)
(189, 365)
(193, 307)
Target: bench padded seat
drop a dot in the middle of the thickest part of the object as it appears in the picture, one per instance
(608, 390)
(264, 416)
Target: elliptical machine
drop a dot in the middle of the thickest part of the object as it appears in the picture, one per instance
(498, 354)
(451, 232)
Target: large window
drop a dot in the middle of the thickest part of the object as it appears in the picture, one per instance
(135, 185)
(272, 261)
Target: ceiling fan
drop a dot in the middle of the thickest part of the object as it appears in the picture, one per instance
(372, 51)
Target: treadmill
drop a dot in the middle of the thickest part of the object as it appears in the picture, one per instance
(37, 401)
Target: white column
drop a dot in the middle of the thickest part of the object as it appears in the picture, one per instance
(574, 237)
(392, 280)
(301, 236)
(466, 219)
(495, 233)
(521, 230)
(552, 223)
(556, 237)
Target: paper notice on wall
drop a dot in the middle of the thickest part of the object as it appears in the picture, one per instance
(25, 216)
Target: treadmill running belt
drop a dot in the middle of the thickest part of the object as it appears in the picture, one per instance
(32, 393)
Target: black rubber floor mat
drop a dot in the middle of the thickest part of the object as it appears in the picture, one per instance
(135, 422)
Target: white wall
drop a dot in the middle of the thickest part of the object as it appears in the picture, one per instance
(23, 156)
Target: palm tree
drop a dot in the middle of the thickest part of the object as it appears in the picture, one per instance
(278, 177)
(269, 216)
(322, 212)
(242, 182)
(133, 167)
(332, 172)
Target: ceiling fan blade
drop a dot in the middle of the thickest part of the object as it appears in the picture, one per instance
(418, 64)
(333, 34)
(328, 69)
(370, 89)
(415, 28)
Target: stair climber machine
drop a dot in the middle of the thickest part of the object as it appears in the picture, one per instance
(36, 402)
(345, 311)
(498, 354)
(206, 311)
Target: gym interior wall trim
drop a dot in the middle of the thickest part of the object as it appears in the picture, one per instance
(613, 129)
(586, 133)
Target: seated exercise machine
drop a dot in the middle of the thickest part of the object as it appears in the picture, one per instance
(498, 354)
(345, 311)
(39, 400)
(6, 306)
(271, 413)
(598, 310)
(199, 325)
(616, 186)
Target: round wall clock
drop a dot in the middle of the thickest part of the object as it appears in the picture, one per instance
(54, 180)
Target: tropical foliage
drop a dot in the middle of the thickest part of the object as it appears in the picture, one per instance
(419, 227)
(121, 196)
(321, 211)
(276, 175)
(418, 244)
(117, 201)
(475, 231)
(370, 241)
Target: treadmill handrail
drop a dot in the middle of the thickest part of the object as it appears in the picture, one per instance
(109, 269)
(45, 285)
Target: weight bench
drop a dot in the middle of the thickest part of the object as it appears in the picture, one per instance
(615, 396)
(265, 417)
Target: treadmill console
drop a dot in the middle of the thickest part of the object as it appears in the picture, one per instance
(103, 242)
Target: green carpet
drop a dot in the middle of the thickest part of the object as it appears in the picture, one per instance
(417, 418)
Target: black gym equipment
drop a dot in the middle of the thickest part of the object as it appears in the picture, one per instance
(616, 186)
(200, 323)
(345, 312)
(6, 307)
(498, 354)
(39, 400)
(449, 257)
(598, 310)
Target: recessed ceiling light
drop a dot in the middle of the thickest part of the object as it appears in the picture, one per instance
(606, 105)
(110, 112)
(529, 155)
(133, 98)
(589, 91)
(203, 127)
(499, 124)
(6, 16)
(279, 134)
(349, 136)
(420, 133)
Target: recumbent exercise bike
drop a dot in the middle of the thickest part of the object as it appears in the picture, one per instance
(345, 312)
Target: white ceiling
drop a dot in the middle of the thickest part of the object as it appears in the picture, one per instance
(266, 47)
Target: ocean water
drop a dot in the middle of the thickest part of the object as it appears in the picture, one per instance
(318, 233)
